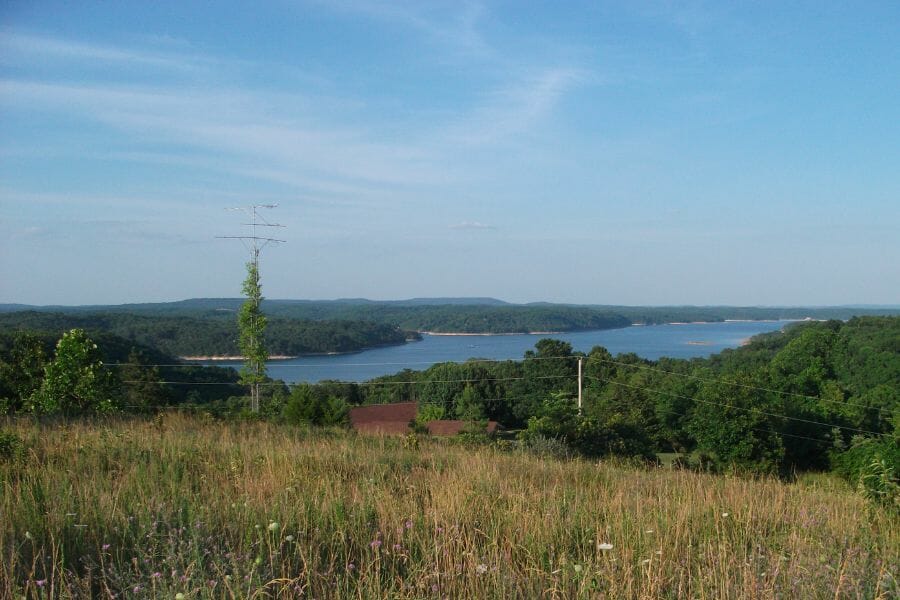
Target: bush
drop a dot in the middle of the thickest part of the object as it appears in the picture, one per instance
(12, 448)
(872, 465)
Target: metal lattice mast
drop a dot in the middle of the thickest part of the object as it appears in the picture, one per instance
(254, 244)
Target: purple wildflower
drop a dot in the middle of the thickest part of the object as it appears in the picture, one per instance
(105, 547)
(409, 524)
(375, 544)
(41, 582)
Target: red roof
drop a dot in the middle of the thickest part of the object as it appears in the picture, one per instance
(383, 418)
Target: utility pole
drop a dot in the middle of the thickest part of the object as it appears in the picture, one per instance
(580, 359)
(254, 243)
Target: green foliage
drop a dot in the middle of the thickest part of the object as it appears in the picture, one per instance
(141, 389)
(872, 465)
(588, 436)
(251, 328)
(306, 406)
(12, 447)
(429, 412)
(736, 426)
(214, 334)
(75, 382)
(878, 483)
(22, 364)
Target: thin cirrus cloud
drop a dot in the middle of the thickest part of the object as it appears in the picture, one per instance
(472, 225)
(286, 138)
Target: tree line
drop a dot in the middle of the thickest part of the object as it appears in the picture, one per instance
(188, 336)
(816, 396)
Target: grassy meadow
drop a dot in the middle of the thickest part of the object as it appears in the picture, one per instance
(183, 507)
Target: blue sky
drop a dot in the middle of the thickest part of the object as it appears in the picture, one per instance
(597, 152)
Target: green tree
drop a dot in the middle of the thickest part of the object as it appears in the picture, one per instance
(75, 382)
(21, 370)
(738, 425)
(141, 387)
(252, 325)
(468, 406)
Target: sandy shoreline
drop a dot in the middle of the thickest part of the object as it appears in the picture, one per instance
(439, 333)
(232, 358)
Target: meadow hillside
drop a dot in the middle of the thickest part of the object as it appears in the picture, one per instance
(186, 507)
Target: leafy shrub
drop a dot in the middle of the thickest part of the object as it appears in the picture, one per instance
(12, 447)
(878, 484)
(872, 464)
(545, 447)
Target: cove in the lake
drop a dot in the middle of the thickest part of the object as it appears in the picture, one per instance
(686, 340)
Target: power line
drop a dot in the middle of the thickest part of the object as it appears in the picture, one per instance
(371, 383)
(588, 358)
(756, 410)
(254, 244)
(736, 384)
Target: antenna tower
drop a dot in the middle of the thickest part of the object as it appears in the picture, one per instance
(254, 243)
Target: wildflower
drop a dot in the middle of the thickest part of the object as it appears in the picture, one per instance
(724, 514)
(351, 567)
(105, 547)
(28, 535)
(577, 568)
(156, 575)
(481, 569)
(397, 547)
(409, 524)
(41, 582)
(604, 546)
(434, 587)
(136, 589)
(375, 544)
(289, 538)
(273, 526)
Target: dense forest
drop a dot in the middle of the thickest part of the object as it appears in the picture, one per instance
(187, 336)
(784, 402)
(474, 315)
(819, 395)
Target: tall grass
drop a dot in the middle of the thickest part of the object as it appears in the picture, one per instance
(142, 508)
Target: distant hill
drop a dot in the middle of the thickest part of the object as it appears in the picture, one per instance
(465, 315)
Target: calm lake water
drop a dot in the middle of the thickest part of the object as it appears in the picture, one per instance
(649, 341)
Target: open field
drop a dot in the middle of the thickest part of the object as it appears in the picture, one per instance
(179, 505)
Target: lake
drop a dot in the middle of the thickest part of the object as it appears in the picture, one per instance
(649, 341)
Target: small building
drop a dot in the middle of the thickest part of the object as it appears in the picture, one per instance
(384, 418)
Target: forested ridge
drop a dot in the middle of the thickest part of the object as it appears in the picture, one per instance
(187, 336)
(819, 395)
(473, 315)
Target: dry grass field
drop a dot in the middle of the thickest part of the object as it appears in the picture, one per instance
(181, 507)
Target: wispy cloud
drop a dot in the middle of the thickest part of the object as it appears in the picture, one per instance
(323, 145)
(515, 107)
(457, 28)
(471, 225)
(32, 47)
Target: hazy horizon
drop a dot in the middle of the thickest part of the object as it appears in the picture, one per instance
(471, 300)
(596, 153)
